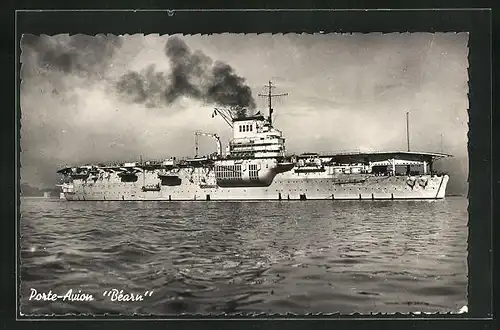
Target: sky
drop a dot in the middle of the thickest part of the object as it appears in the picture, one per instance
(104, 98)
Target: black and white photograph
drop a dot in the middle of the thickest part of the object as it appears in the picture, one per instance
(221, 174)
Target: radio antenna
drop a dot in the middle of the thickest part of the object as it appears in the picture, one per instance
(270, 96)
(408, 130)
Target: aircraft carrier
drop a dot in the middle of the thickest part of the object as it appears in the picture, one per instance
(256, 166)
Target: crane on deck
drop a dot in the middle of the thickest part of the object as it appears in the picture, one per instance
(214, 136)
(227, 114)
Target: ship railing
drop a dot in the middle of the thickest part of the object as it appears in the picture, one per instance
(127, 163)
(412, 173)
(328, 153)
(439, 173)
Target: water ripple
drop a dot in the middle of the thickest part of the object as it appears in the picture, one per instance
(273, 257)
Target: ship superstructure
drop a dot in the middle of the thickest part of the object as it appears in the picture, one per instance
(255, 166)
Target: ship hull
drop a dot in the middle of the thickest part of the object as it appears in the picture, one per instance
(285, 186)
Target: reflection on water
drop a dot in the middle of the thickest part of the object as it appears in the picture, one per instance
(275, 257)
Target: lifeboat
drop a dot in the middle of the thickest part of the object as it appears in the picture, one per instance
(310, 169)
(151, 187)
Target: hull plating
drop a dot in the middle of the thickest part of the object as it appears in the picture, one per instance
(285, 186)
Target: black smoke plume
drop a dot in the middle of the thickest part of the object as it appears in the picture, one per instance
(79, 54)
(194, 75)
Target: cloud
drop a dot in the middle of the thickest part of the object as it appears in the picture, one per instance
(78, 54)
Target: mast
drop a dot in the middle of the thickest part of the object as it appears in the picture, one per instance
(143, 173)
(270, 96)
(196, 145)
(408, 130)
(408, 167)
